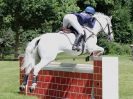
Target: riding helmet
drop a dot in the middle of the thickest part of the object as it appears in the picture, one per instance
(90, 10)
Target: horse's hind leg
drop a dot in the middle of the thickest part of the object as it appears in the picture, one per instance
(37, 68)
(24, 83)
(27, 72)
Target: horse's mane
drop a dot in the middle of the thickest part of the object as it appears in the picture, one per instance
(100, 15)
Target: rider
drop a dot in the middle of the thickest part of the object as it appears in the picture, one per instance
(77, 21)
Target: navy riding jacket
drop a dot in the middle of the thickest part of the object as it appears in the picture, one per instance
(85, 19)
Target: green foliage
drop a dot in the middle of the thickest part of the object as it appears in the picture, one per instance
(26, 37)
(8, 36)
(123, 28)
(63, 7)
(6, 47)
(105, 6)
(115, 48)
(83, 3)
(26, 12)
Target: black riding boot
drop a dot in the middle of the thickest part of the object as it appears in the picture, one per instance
(77, 42)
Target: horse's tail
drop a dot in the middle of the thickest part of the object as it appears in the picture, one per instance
(30, 53)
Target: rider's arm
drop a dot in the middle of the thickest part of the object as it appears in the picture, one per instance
(91, 22)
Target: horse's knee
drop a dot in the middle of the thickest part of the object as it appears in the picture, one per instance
(101, 49)
(91, 48)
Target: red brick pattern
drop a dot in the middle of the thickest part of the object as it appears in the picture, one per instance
(66, 85)
(97, 79)
(61, 85)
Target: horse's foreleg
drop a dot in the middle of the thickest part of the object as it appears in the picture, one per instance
(94, 49)
(98, 51)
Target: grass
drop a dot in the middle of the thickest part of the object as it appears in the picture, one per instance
(9, 77)
(126, 77)
(9, 81)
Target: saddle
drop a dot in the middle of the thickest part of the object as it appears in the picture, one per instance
(66, 30)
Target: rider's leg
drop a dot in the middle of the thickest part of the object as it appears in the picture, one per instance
(66, 24)
(77, 42)
(71, 20)
(66, 21)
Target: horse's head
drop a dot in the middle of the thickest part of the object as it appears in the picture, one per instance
(103, 23)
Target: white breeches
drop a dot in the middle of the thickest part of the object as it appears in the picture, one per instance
(71, 20)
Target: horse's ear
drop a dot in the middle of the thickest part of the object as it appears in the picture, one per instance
(111, 17)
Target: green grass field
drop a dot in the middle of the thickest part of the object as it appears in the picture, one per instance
(9, 78)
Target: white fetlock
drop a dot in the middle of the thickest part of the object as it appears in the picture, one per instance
(22, 87)
(32, 88)
(34, 85)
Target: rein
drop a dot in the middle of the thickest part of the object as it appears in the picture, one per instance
(66, 36)
(92, 33)
(103, 29)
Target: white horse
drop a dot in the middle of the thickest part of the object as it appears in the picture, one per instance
(47, 46)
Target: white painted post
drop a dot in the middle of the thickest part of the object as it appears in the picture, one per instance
(110, 89)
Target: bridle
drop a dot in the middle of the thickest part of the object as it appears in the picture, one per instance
(103, 29)
(107, 26)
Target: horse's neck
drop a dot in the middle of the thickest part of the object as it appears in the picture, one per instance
(95, 30)
(100, 23)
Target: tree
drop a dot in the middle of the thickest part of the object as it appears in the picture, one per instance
(123, 27)
(63, 7)
(43, 15)
(6, 46)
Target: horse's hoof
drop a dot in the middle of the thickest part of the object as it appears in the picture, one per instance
(22, 88)
(31, 89)
(87, 58)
